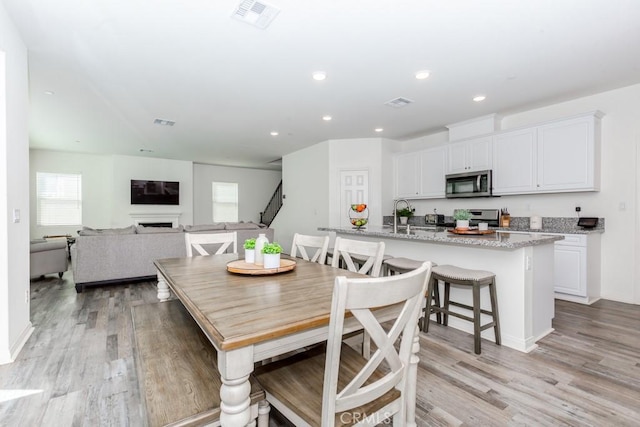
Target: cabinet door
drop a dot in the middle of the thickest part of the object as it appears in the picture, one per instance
(471, 155)
(566, 155)
(479, 154)
(457, 158)
(514, 159)
(433, 164)
(570, 270)
(406, 175)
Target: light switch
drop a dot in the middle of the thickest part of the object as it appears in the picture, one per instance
(16, 216)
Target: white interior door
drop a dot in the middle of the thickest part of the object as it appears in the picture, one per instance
(354, 189)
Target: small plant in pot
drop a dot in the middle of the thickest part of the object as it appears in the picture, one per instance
(271, 255)
(404, 214)
(250, 251)
(462, 217)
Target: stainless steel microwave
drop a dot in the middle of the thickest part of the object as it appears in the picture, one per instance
(468, 184)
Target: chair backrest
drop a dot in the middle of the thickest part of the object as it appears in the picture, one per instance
(371, 251)
(196, 240)
(302, 242)
(360, 296)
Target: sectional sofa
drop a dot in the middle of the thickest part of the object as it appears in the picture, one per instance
(126, 254)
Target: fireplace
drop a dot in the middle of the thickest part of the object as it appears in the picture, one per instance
(156, 224)
(151, 219)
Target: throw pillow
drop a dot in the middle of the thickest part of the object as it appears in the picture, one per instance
(88, 231)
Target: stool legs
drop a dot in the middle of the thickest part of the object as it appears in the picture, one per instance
(475, 308)
(432, 297)
(494, 308)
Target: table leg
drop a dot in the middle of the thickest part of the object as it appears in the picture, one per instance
(235, 366)
(163, 289)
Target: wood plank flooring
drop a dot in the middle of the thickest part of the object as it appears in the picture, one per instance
(77, 369)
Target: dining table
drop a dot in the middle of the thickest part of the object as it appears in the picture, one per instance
(251, 318)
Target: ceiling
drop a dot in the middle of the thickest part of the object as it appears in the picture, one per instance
(114, 66)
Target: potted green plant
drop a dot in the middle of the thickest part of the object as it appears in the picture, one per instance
(462, 217)
(271, 255)
(404, 214)
(250, 251)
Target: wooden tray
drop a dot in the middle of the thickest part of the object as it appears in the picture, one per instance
(470, 232)
(242, 267)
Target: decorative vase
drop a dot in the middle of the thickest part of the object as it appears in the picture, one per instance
(403, 220)
(260, 242)
(462, 224)
(271, 260)
(250, 256)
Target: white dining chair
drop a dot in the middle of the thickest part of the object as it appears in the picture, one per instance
(337, 386)
(224, 240)
(302, 243)
(371, 253)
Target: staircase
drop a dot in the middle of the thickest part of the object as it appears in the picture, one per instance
(273, 207)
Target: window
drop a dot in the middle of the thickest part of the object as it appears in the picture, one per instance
(59, 198)
(225, 202)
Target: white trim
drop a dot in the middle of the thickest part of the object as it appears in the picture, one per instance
(18, 345)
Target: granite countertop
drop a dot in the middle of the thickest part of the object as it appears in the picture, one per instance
(501, 239)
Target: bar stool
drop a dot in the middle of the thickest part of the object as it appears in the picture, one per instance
(451, 274)
(402, 265)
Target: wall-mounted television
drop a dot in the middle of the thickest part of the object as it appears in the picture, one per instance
(155, 192)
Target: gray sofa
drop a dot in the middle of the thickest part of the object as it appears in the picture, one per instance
(114, 255)
(48, 256)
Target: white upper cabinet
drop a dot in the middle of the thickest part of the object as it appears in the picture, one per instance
(514, 162)
(470, 155)
(567, 155)
(406, 174)
(560, 156)
(433, 163)
(420, 174)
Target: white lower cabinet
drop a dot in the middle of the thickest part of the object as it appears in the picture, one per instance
(577, 268)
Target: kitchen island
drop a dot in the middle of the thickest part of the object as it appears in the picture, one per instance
(522, 263)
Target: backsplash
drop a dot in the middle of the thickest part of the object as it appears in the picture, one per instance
(519, 223)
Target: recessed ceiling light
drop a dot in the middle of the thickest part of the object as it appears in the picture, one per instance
(274, 133)
(378, 129)
(479, 98)
(49, 92)
(422, 74)
(326, 118)
(319, 75)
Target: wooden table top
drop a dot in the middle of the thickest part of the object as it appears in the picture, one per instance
(238, 310)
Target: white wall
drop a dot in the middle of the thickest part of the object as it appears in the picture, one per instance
(126, 168)
(15, 326)
(97, 187)
(106, 187)
(255, 188)
(619, 184)
(305, 180)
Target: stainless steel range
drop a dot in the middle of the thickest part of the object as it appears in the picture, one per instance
(490, 216)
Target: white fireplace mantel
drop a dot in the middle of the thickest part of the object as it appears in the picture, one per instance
(143, 217)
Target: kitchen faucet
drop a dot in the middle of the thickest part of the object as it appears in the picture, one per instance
(395, 212)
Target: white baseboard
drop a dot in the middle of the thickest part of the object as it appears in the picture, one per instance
(17, 345)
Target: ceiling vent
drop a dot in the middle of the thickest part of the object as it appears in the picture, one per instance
(398, 102)
(256, 13)
(163, 122)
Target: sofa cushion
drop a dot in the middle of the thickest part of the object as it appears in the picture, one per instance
(88, 231)
(48, 245)
(141, 229)
(205, 227)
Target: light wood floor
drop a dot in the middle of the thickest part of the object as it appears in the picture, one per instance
(77, 369)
